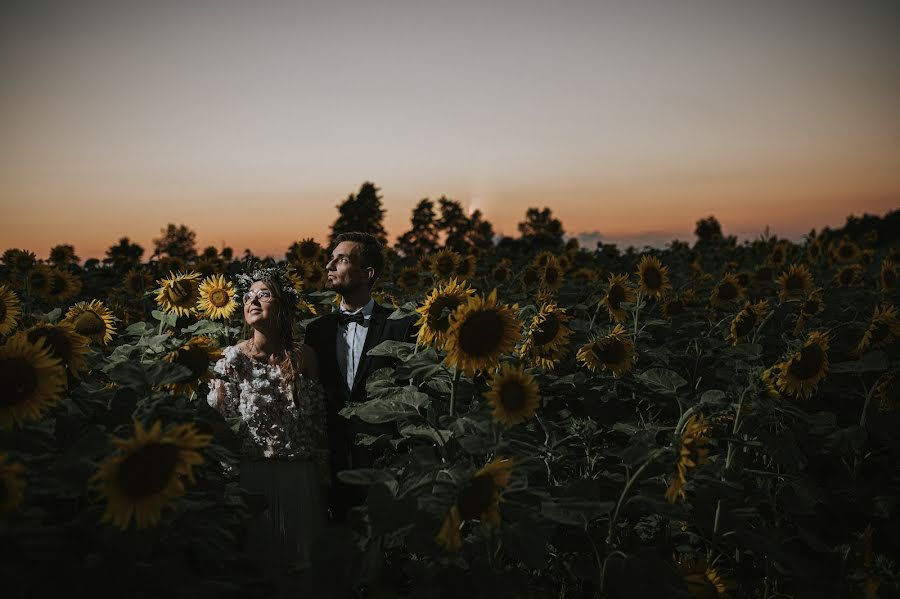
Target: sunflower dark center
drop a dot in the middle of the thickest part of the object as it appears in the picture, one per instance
(135, 283)
(615, 296)
(744, 323)
(551, 275)
(89, 324)
(19, 381)
(610, 351)
(845, 251)
(444, 265)
(513, 396)
(148, 470)
(847, 276)
(38, 280)
(810, 306)
(777, 257)
(439, 313)
(727, 291)
(530, 276)
(55, 340)
(810, 363)
(481, 333)
(879, 332)
(476, 497)
(309, 250)
(57, 284)
(219, 298)
(195, 359)
(889, 279)
(314, 275)
(410, 278)
(3, 309)
(795, 282)
(546, 331)
(652, 278)
(501, 273)
(179, 292)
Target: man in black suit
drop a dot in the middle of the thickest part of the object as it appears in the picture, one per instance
(341, 341)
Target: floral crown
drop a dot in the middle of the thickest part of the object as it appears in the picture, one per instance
(279, 275)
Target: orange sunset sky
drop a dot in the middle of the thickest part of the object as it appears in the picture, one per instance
(249, 122)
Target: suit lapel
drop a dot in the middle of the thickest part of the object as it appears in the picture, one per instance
(373, 337)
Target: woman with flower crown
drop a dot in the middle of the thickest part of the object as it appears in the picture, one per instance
(269, 383)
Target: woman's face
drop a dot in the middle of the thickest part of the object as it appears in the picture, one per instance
(261, 307)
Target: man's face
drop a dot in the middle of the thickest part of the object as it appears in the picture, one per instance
(345, 270)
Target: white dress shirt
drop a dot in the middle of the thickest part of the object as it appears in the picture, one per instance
(350, 340)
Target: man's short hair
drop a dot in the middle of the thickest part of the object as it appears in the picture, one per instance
(371, 251)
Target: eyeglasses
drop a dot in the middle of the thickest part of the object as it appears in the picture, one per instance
(262, 295)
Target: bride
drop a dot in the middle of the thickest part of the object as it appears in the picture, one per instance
(269, 382)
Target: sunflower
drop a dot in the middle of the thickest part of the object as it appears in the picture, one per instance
(514, 394)
(653, 277)
(769, 378)
(197, 355)
(466, 267)
(306, 309)
(888, 275)
(434, 320)
(386, 299)
(883, 329)
(810, 306)
(445, 263)
(693, 452)
(778, 255)
(794, 282)
(306, 250)
(846, 251)
(10, 310)
(208, 266)
(12, 488)
(801, 373)
(136, 282)
(848, 275)
(750, 316)
(479, 499)
(424, 262)
(726, 292)
(547, 336)
(502, 272)
(409, 279)
(179, 293)
(481, 330)
(63, 343)
(672, 307)
(217, 298)
(93, 320)
(814, 250)
(613, 352)
(39, 280)
(529, 277)
(148, 473)
(763, 274)
(63, 286)
(314, 275)
(449, 536)
(541, 260)
(584, 276)
(619, 292)
(701, 579)
(551, 274)
(31, 379)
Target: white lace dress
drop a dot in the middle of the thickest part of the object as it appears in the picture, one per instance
(285, 454)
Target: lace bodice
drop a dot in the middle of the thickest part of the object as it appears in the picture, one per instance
(277, 421)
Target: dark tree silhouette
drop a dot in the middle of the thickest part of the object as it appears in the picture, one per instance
(481, 232)
(423, 236)
(362, 212)
(63, 254)
(454, 224)
(210, 252)
(124, 255)
(541, 230)
(708, 230)
(177, 242)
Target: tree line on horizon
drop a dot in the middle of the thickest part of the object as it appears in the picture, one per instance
(433, 226)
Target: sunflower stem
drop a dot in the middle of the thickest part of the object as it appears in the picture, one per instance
(631, 481)
(454, 388)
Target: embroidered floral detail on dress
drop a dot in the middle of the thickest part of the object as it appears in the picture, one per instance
(276, 420)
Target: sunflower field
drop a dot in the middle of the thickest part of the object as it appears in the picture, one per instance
(716, 420)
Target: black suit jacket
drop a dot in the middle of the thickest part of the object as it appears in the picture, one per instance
(321, 335)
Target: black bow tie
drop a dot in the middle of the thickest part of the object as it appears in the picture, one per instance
(357, 317)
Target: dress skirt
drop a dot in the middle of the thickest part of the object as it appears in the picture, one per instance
(282, 536)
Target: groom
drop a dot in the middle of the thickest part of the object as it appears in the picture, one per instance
(341, 341)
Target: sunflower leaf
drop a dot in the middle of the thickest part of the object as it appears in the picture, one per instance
(662, 379)
(876, 361)
(365, 476)
(402, 350)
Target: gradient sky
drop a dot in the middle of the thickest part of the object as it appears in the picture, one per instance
(250, 121)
